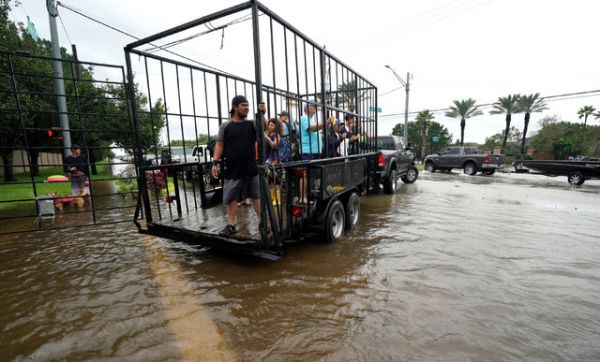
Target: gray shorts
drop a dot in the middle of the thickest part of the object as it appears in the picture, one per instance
(240, 189)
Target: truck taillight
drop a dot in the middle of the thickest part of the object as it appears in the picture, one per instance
(380, 160)
(486, 158)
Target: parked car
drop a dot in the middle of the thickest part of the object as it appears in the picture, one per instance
(394, 160)
(467, 158)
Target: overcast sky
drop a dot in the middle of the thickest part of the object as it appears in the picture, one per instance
(455, 49)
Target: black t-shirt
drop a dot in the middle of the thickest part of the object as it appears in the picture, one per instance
(80, 162)
(239, 150)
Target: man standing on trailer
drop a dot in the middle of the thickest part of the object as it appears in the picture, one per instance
(235, 146)
(310, 137)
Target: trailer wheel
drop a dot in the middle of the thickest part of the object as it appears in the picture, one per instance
(390, 184)
(334, 222)
(576, 178)
(470, 169)
(489, 171)
(411, 175)
(352, 211)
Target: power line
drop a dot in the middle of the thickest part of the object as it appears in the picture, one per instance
(65, 29)
(137, 38)
(551, 98)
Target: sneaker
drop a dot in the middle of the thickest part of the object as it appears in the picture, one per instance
(228, 230)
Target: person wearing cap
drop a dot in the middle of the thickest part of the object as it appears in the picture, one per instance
(235, 147)
(77, 167)
(311, 141)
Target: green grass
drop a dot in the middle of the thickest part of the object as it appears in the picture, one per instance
(11, 191)
(420, 167)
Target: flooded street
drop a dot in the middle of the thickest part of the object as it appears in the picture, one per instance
(449, 268)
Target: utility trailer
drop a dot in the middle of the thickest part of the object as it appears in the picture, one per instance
(290, 72)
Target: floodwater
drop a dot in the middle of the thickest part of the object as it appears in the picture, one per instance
(449, 268)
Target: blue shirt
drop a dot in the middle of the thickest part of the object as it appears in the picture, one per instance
(311, 140)
(286, 130)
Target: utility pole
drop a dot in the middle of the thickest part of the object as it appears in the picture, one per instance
(59, 84)
(406, 86)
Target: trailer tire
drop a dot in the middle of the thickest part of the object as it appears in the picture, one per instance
(334, 221)
(470, 168)
(410, 176)
(352, 211)
(391, 183)
(489, 171)
(576, 178)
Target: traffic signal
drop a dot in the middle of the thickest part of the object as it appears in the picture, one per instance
(55, 133)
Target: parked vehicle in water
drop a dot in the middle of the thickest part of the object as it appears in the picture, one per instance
(394, 160)
(467, 158)
(576, 171)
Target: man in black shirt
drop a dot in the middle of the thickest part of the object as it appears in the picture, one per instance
(236, 146)
(77, 167)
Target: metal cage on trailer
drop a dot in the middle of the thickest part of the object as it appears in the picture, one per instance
(290, 72)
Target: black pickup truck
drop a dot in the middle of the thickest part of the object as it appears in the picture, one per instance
(467, 158)
(394, 160)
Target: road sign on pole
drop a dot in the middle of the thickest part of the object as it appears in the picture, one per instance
(372, 109)
(435, 139)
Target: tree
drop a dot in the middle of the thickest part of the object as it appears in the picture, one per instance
(433, 129)
(510, 141)
(105, 109)
(556, 137)
(508, 105)
(424, 117)
(584, 112)
(529, 104)
(562, 148)
(464, 109)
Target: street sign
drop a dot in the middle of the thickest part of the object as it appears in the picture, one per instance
(435, 139)
(372, 109)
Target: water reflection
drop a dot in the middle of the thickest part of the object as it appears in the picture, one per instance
(444, 269)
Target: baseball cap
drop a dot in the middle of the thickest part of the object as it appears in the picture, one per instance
(312, 103)
(284, 113)
(236, 101)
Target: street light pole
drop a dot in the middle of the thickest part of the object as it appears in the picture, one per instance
(406, 86)
(59, 84)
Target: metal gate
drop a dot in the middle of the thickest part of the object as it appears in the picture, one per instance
(36, 191)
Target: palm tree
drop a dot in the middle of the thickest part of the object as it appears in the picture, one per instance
(584, 112)
(425, 117)
(529, 104)
(463, 109)
(508, 105)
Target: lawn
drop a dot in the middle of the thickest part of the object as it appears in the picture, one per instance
(18, 191)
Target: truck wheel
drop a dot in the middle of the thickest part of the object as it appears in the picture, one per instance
(576, 178)
(390, 183)
(410, 176)
(352, 211)
(429, 166)
(334, 222)
(470, 169)
(489, 171)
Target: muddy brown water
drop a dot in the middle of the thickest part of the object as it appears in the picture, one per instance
(450, 268)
